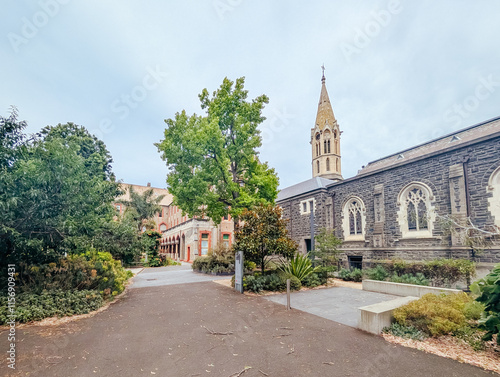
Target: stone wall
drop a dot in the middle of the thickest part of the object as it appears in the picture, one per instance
(458, 180)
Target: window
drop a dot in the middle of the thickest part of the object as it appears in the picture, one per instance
(317, 166)
(118, 208)
(225, 240)
(306, 206)
(328, 145)
(160, 214)
(327, 164)
(354, 219)
(163, 228)
(204, 244)
(416, 214)
(494, 200)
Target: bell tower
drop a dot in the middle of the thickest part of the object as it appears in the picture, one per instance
(325, 139)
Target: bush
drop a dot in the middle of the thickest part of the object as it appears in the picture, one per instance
(439, 272)
(435, 314)
(489, 287)
(49, 303)
(418, 279)
(351, 275)
(218, 260)
(377, 273)
(312, 280)
(273, 282)
(92, 270)
(404, 331)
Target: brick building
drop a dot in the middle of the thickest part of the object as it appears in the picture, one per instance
(183, 237)
(394, 207)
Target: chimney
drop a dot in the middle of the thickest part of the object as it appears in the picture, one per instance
(149, 184)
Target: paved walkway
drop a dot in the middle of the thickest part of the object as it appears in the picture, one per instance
(158, 276)
(338, 304)
(205, 329)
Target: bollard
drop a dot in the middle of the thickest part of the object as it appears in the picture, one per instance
(287, 294)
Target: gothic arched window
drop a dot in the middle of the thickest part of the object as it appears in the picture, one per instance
(494, 200)
(354, 219)
(416, 212)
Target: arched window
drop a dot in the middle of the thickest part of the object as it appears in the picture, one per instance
(163, 228)
(494, 200)
(324, 145)
(317, 165)
(416, 213)
(354, 219)
(328, 144)
(327, 164)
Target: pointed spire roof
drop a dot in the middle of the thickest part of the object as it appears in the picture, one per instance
(325, 112)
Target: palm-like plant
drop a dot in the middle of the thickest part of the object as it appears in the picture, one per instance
(299, 266)
(143, 206)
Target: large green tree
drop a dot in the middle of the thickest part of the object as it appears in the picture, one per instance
(264, 233)
(213, 159)
(51, 201)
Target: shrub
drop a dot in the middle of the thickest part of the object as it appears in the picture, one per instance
(435, 314)
(49, 303)
(489, 287)
(218, 260)
(351, 275)
(418, 279)
(404, 331)
(299, 266)
(274, 282)
(377, 273)
(88, 271)
(312, 280)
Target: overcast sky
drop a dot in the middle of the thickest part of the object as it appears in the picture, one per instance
(398, 73)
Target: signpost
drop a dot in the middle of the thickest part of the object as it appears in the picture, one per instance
(238, 271)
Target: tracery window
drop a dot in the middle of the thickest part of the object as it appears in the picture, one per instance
(494, 200)
(416, 213)
(354, 219)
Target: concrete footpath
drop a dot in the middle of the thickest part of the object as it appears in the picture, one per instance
(339, 304)
(205, 329)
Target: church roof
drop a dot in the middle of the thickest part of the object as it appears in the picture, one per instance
(325, 112)
(303, 187)
(444, 143)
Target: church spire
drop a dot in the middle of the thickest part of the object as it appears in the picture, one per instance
(325, 139)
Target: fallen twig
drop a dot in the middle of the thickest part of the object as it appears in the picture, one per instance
(240, 373)
(328, 362)
(285, 328)
(217, 333)
(265, 374)
(280, 335)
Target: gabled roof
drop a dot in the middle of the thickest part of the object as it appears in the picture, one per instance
(303, 187)
(450, 141)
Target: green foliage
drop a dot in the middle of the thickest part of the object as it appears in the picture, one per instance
(377, 273)
(354, 274)
(436, 314)
(489, 289)
(142, 207)
(48, 303)
(274, 282)
(405, 332)
(440, 272)
(89, 271)
(159, 261)
(55, 193)
(299, 266)
(472, 336)
(11, 139)
(326, 247)
(219, 260)
(212, 159)
(264, 233)
(417, 279)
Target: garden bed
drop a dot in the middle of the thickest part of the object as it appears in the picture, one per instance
(453, 348)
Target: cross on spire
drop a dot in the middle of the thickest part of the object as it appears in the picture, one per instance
(323, 68)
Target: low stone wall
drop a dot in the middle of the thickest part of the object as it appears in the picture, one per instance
(400, 289)
(373, 318)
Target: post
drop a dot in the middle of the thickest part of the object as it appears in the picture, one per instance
(311, 222)
(238, 271)
(287, 294)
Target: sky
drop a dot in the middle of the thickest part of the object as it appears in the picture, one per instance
(398, 73)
